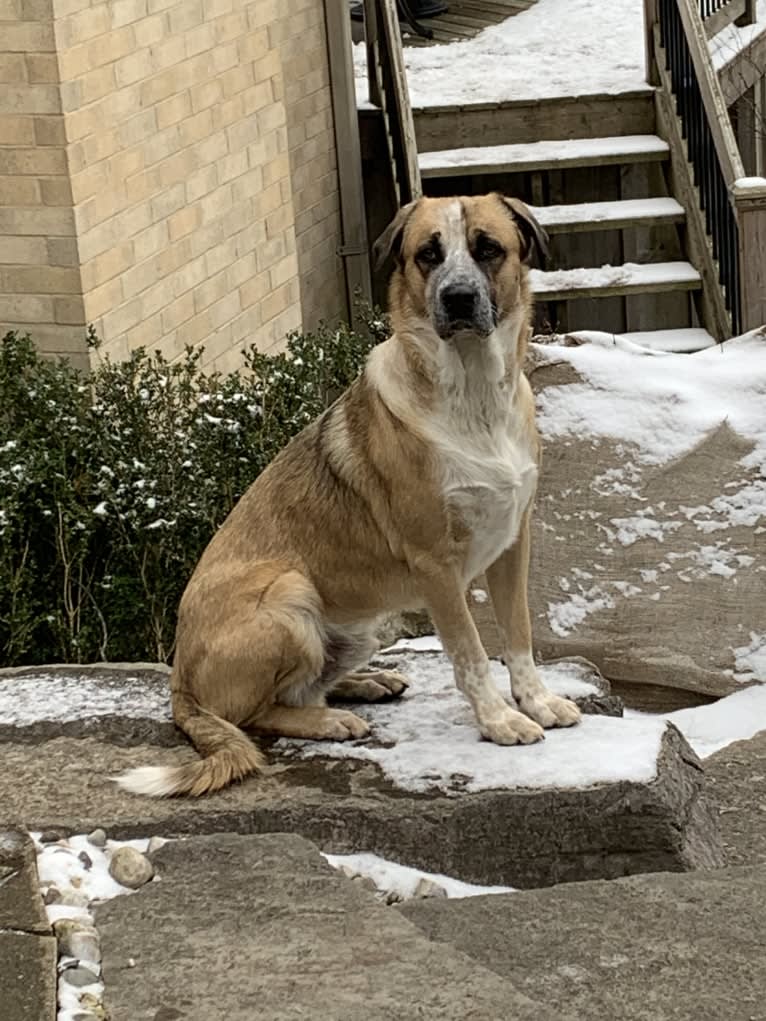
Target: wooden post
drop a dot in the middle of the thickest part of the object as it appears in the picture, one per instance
(750, 201)
(751, 15)
(354, 249)
(650, 20)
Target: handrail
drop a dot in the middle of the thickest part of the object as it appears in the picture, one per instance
(675, 29)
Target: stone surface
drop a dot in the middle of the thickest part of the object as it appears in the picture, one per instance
(737, 779)
(21, 906)
(130, 868)
(647, 948)
(79, 977)
(97, 837)
(263, 926)
(77, 939)
(509, 837)
(27, 977)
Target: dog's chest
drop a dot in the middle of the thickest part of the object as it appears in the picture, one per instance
(489, 478)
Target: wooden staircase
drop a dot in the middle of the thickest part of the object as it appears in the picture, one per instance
(619, 284)
(657, 233)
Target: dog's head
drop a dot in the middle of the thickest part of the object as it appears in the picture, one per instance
(461, 262)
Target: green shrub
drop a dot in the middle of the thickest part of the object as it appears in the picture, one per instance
(112, 484)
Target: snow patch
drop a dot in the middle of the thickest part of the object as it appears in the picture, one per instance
(429, 740)
(390, 877)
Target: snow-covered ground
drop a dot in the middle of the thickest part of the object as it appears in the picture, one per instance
(555, 48)
(428, 740)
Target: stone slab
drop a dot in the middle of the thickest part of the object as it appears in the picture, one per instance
(737, 779)
(647, 948)
(27, 977)
(21, 907)
(262, 927)
(511, 837)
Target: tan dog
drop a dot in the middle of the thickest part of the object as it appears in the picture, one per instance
(418, 478)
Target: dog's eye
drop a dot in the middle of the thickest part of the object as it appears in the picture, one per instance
(487, 250)
(430, 255)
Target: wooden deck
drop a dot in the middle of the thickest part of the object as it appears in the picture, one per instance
(465, 19)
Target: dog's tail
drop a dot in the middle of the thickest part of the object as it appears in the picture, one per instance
(227, 753)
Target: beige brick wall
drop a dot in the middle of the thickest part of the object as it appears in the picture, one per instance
(200, 158)
(40, 287)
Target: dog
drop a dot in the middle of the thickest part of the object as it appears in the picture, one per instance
(416, 480)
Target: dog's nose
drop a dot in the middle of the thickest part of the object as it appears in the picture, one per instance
(459, 301)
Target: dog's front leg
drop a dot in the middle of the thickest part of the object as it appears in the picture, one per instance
(507, 580)
(450, 614)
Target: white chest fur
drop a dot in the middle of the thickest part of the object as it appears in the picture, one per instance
(489, 478)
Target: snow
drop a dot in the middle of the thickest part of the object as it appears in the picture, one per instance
(556, 48)
(709, 728)
(730, 41)
(390, 877)
(565, 616)
(662, 407)
(425, 643)
(750, 183)
(428, 740)
(630, 274)
(63, 697)
(750, 660)
(606, 212)
(538, 155)
(679, 341)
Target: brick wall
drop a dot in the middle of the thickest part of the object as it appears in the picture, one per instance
(201, 160)
(40, 286)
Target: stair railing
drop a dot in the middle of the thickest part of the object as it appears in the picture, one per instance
(387, 88)
(727, 212)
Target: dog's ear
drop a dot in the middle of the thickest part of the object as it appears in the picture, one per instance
(532, 234)
(391, 238)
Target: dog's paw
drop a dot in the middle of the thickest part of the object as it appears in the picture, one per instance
(550, 710)
(510, 727)
(370, 686)
(341, 725)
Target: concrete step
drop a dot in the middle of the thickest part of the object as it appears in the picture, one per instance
(597, 216)
(592, 946)
(613, 281)
(557, 154)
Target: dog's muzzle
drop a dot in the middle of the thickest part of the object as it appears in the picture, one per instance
(463, 306)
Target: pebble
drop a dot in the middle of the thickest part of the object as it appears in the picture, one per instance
(79, 977)
(74, 898)
(130, 868)
(52, 895)
(428, 888)
(77, 939)
(86, 860)
(97, 838)
(366, 882)
(155, 843)
(53, 836)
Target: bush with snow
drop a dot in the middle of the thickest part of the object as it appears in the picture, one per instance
(112, 484)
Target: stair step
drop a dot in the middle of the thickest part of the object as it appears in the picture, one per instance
(682, 341)
(548, 155)
(594, 216)
(612, 281)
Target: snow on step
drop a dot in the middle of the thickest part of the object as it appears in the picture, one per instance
(546, 155)
(682, 341)
(608, 281)
(608, 215)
